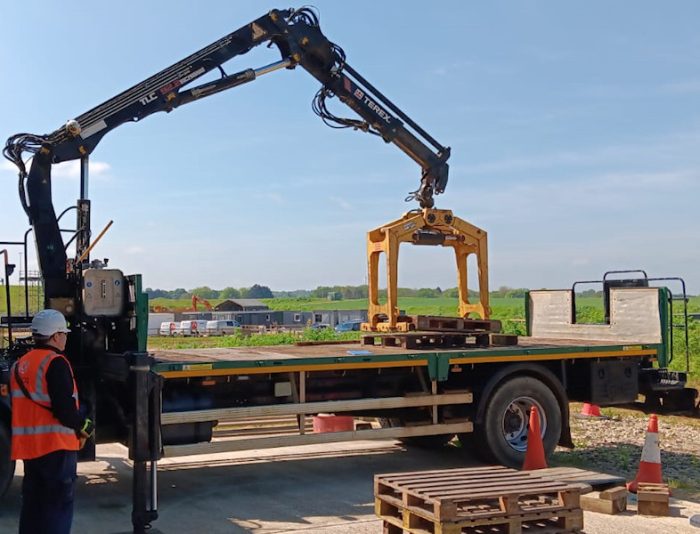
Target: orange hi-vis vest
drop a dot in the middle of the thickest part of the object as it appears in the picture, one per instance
(35, 430)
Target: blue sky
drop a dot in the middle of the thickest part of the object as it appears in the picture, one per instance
(574, 127)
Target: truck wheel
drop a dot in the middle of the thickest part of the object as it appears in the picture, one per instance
(502, 436)
(423, 442)
(7, 467)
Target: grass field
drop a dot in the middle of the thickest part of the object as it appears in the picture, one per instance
(411, 305)
(17, 300)
(511, 311)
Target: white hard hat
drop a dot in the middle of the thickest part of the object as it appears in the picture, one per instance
(48, 322)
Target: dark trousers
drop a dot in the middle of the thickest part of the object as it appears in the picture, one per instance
(47, 493)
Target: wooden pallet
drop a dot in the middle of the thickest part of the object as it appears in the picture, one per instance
(442, 340)
(433, 332)
(436, 323)
(426, 340)
(515, 526)
(456, 501)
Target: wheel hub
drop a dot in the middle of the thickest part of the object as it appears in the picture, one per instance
(515, 422)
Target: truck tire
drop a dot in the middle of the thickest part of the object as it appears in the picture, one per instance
(423, 442)
(502, 435)
(7, 466)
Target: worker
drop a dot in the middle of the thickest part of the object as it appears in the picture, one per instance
(47, 427)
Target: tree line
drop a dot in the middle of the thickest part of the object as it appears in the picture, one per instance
(259, 291)
(256, 291)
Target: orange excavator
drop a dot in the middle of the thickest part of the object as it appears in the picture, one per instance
(202, 301)
(195, 300)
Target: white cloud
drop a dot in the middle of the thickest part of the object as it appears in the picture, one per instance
(71, 170)
(67, 169)
(621, 91)
(650, 180)
(684, 87)
(619, 188)
(7, 166)
(344, 204)
(668, 148)
(545, 54)
(271, 197)
(580, 261)
(460, 65)
(524, 163)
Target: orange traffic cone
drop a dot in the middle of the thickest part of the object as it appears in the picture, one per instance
(650, 463)
(590, 410)
(534, 456)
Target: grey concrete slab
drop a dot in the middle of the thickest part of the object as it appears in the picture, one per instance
(319, 488)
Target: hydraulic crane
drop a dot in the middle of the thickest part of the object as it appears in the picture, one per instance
(298, 37)
(106, 309)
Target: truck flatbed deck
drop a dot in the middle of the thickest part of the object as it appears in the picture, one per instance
(183, 363)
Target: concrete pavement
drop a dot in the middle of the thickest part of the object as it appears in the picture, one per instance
(319, 488)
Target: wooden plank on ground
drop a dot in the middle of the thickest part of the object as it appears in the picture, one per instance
(594, 502)
(242, 444)
(653, 499)
(317, 407)
(597, 481)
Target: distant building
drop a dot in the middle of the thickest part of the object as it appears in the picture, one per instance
(241, 305)
(267, 317)
(334, 317)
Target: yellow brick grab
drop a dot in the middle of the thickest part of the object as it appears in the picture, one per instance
(424, 227)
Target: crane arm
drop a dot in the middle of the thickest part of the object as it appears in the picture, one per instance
(301, 42)
(297, 35)
(161, 92)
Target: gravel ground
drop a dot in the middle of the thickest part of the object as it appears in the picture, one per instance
(614, 445)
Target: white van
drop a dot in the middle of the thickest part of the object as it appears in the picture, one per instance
(222, 328)
(192, 328)
(168, 328)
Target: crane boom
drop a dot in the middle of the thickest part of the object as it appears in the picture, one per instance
(297, 35)
(300, 41)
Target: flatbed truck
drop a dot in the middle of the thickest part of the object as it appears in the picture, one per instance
(215, 400)
(427, 397)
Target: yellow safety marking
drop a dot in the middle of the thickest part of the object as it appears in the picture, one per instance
(290, 368)
(199, 370)
(197, 366)
(567, 356)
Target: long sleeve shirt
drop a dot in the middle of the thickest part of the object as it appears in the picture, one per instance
(59, 380)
